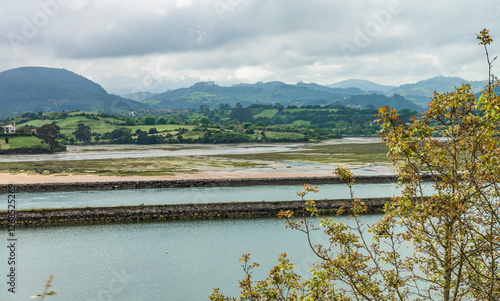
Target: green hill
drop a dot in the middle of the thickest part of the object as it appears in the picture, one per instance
(362, 84)
(421, 92)
(35, 89)
(396, 101)
(247, 94)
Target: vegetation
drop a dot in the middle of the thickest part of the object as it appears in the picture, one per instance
(300, 94)
(46, 292)
(83, 133)
(125, 167)
(35, 89)
(256, 123)
(49, 133)
(452, 236)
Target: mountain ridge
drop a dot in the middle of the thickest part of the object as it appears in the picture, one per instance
(43, 89)
(51, 89)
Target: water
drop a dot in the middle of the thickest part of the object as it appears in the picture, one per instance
(149, 151)
(129, 262)
(94, 152)
(196, 195)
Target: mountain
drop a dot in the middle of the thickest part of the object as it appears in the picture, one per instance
(395, 101)
(440, 84)
(273, 92)
(364, 85)
(139, 96)
(421, 92)
(35, 89)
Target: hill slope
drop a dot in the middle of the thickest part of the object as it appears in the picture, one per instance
(43, 89)
(421, 92)
(247, 94)
(362, 84)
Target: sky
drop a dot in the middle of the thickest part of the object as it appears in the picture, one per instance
(130, 46)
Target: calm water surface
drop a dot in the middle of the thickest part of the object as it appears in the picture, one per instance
(129, 262)
(196, 195)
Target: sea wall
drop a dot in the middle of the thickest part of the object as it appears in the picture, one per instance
(191, 183)
(151, 213)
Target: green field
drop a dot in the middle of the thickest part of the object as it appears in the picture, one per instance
(160, 127)
(18, 142)
(301, 123)
(68, 125)
(269, 113)
(305, 109)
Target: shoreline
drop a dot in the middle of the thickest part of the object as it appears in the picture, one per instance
(165, 213)
(191, 182)
(25, 178)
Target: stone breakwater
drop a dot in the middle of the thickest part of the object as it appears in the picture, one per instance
(152, 213)
(143, 184)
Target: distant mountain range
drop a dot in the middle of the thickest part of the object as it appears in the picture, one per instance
(300, 94)
(43, 89)
(273, 92)
(362, 84)
(440, 84)
(35, 89)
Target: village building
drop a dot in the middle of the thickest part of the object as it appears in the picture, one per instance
(9, 129)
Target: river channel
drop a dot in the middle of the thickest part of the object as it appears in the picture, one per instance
(198, 195)
(154, 262)
(159, 261)
(182, 260)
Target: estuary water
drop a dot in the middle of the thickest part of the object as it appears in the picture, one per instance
(182, 260)
(95, 152)
(197, 195)
(151, 261)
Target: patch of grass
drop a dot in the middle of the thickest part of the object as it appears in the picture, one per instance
(69, 124)
(283, 135)
(3, 145)
(269, 113)
(124, 167)
(18, 142)
(304, 109)
(301, 123)
(160, 127)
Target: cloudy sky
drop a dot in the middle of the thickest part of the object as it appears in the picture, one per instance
(156, 45)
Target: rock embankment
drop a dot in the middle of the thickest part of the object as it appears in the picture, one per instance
(151, 213)
(43, 187)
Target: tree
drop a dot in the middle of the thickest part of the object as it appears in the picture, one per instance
(172, 120)
(241, 114)
(83, 133)
(454, 233)
(162, 120)
(6, 140)
(49, 133)
(129, 121)
(121, 136)
(149, 120)
(204, 121)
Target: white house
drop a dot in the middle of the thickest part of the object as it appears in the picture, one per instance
(9, 129)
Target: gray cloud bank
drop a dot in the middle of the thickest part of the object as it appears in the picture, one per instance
(154, 45)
